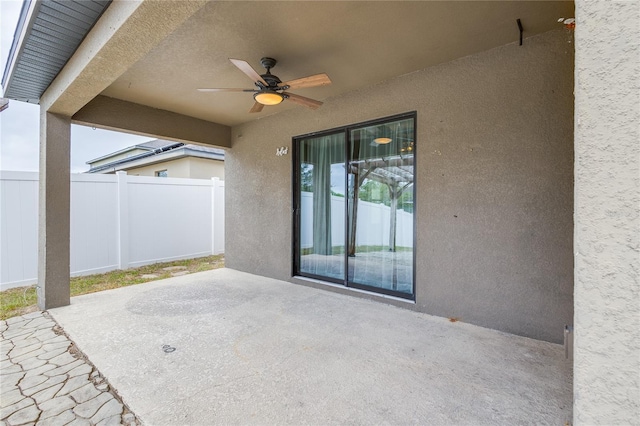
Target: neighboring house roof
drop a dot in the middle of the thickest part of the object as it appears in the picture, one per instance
(157, 151)
(146, 146)
(47, 34)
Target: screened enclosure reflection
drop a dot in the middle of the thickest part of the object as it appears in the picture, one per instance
(321, 207)
(381, 206)
(354, 206)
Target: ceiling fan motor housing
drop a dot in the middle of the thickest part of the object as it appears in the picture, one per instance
(271, 79)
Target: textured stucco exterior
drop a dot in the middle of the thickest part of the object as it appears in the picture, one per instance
(494, 167)
(54, 199)
(126, 32)
(607, 205)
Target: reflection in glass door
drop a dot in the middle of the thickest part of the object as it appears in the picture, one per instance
(354, 206)
(321, 206)
(380, 213)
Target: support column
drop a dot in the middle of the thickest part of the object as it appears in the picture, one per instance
(54, 211)
(606, 387)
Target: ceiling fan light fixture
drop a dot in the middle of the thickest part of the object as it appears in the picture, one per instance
(268, 97)
(382, 141)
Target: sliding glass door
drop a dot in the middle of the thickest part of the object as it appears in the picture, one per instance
(321, 206)
(354, 191)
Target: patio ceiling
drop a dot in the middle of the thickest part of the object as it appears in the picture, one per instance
(359, 44)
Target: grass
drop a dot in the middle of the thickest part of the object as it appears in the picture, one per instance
(22, 300)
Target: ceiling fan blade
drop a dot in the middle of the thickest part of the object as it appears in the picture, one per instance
(311, 81)
(257, 107)
(248, 70)
(301, 100)
(226, 90)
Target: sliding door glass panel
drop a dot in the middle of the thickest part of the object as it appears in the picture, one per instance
(322, 206)
(380, 206)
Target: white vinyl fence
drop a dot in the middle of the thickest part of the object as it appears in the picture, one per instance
(117, 222)
(372, 214)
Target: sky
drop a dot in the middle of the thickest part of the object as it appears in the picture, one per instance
(19, 123)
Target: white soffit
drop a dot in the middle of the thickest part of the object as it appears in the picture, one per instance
(47, 35)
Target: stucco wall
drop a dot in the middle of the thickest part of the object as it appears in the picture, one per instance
(607, 204)
(494, 166)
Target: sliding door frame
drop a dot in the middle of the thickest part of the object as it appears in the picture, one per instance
(296, 243)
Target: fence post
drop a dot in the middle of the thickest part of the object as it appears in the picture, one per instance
(214, 189)
(123, 220)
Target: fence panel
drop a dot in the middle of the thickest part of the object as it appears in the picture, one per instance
(117, 221)
(94, 224)
(169, 219)
(18, 228)
(371, 213)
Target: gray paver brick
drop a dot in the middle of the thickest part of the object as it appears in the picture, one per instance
(10, 397)
(10, 380)
(21, 343)
(5, 348)
(90, 408)
(102, 387)
(32, 315)
(109, 409)
(61, 419)
(85, 393)
(15, 320)
(38, 371)
(51, 381)
(47, 354)
(59, 339)
(79, 370)
(18, 351)
(9, 368)
(31, 363)
(47, 394)
(7, 411)
(128, 418)
(26, 415)
(62, 359)
(43, 382)
(74, 383)
(110, 421)
(79, 422)
(44, 335)
(65, 368)
(55, 406)
(16, 333)
(33, 354)
(41, 322)
(31, 381)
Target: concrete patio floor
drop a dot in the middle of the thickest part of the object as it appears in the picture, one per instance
(250, 349)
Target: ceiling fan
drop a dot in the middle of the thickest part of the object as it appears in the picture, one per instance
(271, 90)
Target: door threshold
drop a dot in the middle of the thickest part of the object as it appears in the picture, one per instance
(354, 290)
